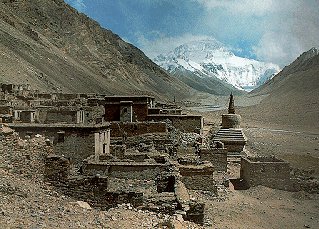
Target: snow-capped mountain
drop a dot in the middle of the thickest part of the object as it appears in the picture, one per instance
(210, 58)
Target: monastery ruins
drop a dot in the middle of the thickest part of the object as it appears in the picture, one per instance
(109, 150)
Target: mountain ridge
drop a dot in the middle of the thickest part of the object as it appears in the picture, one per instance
(212, 59)
(292, 95)
(53, 47)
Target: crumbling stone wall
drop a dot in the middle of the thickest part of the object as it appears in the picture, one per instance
(267, 171)
(76, 146)
(118, 129)
(125, 170)
(93, 189)
(198, 177)
(218, 157)
(185, 123)
(56, 115)
(73, 142)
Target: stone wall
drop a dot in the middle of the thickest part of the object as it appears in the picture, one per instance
(267, 171)
(198, 177)
(56, 115)
(76, 145)
(218, 157)
(119, 129)
(57, 168)
(93, 190)
(185, 123)
(125, 170)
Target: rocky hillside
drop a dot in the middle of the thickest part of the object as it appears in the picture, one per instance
(293, 95)
(52, 47)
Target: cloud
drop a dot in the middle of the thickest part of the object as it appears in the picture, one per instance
(241, 6)
(164, 44)
(277, 31)
(77, 4)
(293, 30)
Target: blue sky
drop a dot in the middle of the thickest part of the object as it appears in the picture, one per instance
(268, 30)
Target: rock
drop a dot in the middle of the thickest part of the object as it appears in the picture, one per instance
(84, 205)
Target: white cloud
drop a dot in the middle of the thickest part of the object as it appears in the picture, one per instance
(295, 29)
(252, 7)
(282, 30)
(165, 44)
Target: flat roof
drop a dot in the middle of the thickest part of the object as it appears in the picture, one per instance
(58, 125)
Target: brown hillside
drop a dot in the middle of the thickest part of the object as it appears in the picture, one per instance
(293, 95)
(52, 47)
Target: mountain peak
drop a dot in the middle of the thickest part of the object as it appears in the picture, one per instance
(211, 58)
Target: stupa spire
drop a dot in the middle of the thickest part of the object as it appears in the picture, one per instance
(231, 107)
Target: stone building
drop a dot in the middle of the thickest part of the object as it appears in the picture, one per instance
(127, 108)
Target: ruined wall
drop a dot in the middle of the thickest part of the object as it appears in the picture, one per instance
(140, 171)
(23, 157)
(270, 172)
(218, 157)
(198, 177)
(93, 190)
(184, 123)
(56, 115)
(137, 128)
(93, 114)
(76, 145)
(113, 112)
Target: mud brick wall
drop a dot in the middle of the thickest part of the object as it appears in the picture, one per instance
(199, 182)
(5, 110)
(195, 212)
(63, 96)
(269, 172)
(145, 172)
(185, 123)
(136, 128)
(218, 157)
